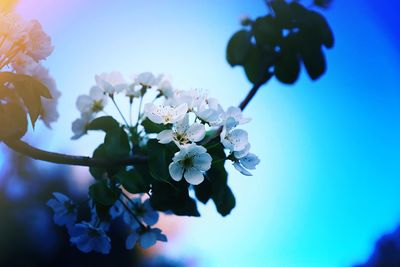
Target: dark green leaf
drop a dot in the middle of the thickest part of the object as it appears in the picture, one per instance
(215, 185)
(151, 127)
(133, 182)
(266, 31)
(322, 29)
(238, 47)
(13, 119)
(257, 64)
(103, 194)
(173, 197)
(287, 68)
(105, 123)
(29, 89)
(99, 172)
(160, 156)
(116, 143)
(314, 60)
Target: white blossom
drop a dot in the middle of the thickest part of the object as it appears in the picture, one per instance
(92, 103)
(248, 162)
(211, 112)
(183, 133)
(38, 45)
(79, 126)
(165, 114)
(146, 79)
(111, 83)
(234, 140)
(132, 91)
(233, 117)
(165, 87)
(190, 162)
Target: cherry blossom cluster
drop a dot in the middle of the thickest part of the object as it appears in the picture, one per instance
(23, 46)
(187, 115)
(185, 120)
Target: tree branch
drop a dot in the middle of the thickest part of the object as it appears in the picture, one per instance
(35, 153)
(253, 92)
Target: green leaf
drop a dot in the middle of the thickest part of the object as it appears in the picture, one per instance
(103, 194)
(105, 123)
(266, 31)
(133, 182)
(30, 90)
(98, 172)
(238, 48)
(151, 127)
(173, 197)
(314, 60)
(322, 29)
(160, 156)
(116, 143)
(257, 64)
(13, 121)
(287, 67)
(215, 185)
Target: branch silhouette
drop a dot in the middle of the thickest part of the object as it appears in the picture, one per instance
(59, 158)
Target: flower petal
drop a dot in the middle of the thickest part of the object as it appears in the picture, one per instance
(131, 240)
(196, 132)
(193, 176)
(148, 239)
(241, 169)
(176, 171)
(202, 161)
(165, 136)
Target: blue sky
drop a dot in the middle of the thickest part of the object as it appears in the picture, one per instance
(327, 185)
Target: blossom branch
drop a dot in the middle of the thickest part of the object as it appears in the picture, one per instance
(38, 154)
(35, 153)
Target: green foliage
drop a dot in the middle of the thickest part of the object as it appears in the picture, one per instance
(104, 194)
(278, 43)
(104, 197)
(238, 47)
(133, 181)
(215, 187)
(105, 124)
(151, 127)
(18, 93)
(173, 196)
(116, 144)
(160, 156)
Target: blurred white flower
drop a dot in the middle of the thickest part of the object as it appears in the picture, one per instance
(79, 126)
(132, 91)
(38, 45)
(190, 162)
(165, 87)
(92, 103)
(111, 83)
(183, 133)
(146, 79)
(165, 114)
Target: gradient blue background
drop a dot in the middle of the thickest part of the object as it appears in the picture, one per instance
(328, 183)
